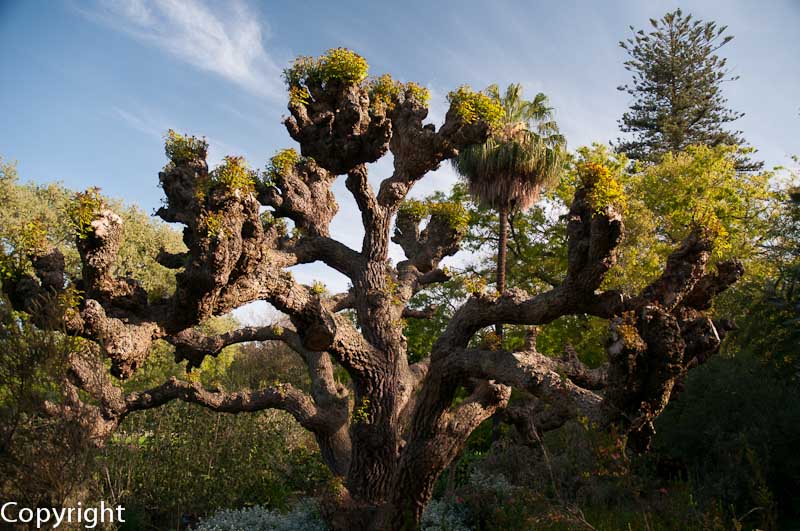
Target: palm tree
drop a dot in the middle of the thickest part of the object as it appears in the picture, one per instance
(510, 170)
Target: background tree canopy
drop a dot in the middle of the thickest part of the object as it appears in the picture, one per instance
(677, 89)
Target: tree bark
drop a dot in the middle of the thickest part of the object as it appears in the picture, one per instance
(502, 254)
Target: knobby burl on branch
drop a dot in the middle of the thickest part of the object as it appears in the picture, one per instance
(391, 439)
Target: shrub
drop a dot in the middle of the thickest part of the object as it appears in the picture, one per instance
(303, 517)
(233, 174)
(181, 149)
(441, 515)
(84, 209)
(383, 91)
(281, 164)
(472, 106)
(53, 451)
(605, 190)
(737, 453)
(337, 65)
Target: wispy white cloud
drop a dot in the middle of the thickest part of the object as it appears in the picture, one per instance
(224, 38)
(142, 121)
(154, 125)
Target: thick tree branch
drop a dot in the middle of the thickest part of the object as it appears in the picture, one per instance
(545, 378)
(334, 254)
(423, 313)
(533, 417)
(592, 240)
(425, 249)
(341, 301)
(193, 345)
(302, 193)
(485, 399)
(283, 396)
(418, 148)
(435, 276)
(710, 285)
(685, 266)
(373, 216)
(337, 128)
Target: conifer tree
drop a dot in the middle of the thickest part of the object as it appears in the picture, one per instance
(677, 89)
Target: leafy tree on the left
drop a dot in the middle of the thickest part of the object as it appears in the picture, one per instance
(156, 465)
(36, 215)
(34, 358)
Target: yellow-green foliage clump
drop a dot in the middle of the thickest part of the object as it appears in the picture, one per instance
(452, 213)
(384, 91)
(213, 224)
(337, 65)
(417, 92)
(268, 221)
(83, 209)
(714, 230)
(361, 411)
(340, 65)
(604, 190)
(474, 284)
(414, 209)
(631, 337)
(627, 331)
(491, 341)
(32, 239)
(233, 174)
(69, 300)
(343, 65)
(318, 288)
(471, 106)
(281, 164)
(184, 148)
(299, 95)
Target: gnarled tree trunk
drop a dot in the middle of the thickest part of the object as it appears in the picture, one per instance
(400, 429)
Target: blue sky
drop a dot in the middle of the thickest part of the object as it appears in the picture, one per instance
(89, 88)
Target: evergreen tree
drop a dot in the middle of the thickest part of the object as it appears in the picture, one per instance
(677, 89)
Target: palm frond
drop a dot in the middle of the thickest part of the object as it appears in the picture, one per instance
(510, 173)
(521, 159)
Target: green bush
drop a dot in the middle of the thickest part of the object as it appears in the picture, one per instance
(184, 459)
(736, 426)
(54, 451)
(304, 517)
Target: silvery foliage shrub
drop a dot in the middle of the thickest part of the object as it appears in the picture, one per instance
(496, 483)
(451, 515)
(303, 517)
(441, 515)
